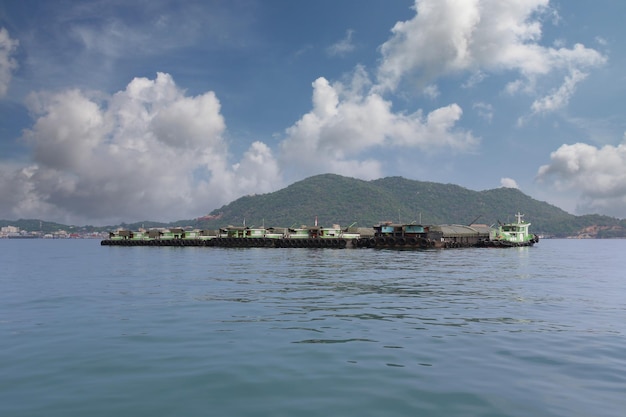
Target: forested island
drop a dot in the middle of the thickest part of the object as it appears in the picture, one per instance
(334, 199)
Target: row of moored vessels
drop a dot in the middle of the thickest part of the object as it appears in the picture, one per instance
(382, 236)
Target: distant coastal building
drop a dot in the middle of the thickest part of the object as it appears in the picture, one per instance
(7, 231)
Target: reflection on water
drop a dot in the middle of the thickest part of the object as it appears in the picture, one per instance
(481, 290)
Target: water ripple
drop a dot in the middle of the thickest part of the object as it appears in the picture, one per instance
(247, 332)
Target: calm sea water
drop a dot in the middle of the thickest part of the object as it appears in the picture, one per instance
(87, 330)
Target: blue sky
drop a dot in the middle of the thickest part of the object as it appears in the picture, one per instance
(117, 111)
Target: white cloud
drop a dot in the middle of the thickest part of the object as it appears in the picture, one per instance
(147, 152)
(342, 47)
(508, 183)
(480, 36)
(561, 96)
(484, 110)
(474, 79)
(598, 174)
(431, 91)
(347, 122)
(257, 171)
(8, 64)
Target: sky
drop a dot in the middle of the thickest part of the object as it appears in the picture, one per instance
(121, 111)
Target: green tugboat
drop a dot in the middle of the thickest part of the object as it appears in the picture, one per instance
(511, 234)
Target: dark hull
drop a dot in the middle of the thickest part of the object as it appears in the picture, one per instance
(383, 242)
(376, 242)
(232, 242)
(504, 244)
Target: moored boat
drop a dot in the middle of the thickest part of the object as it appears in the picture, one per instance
(512, 234)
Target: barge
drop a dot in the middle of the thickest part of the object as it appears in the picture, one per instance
(383, 236)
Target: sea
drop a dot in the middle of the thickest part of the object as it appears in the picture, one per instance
(91, 330)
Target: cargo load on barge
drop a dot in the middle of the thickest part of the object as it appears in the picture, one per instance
(241, 237)
(291, 237)
(416, 236)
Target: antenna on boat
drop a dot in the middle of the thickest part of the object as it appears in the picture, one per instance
(473, 221)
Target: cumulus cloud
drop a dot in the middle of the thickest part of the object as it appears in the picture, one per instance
(8, 64)
(147, 152)
(598, 174)
(481, 36)
(348, 121)
(258, 170)
(508, 183)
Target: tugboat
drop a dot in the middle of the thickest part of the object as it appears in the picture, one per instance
(511, 234)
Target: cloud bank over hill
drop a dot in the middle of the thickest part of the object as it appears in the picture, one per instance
(151, 150)
(599, 174)
(147, 152)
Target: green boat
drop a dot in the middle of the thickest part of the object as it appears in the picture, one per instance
(511, 234)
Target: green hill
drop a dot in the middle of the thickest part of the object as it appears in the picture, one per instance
(334, 199)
